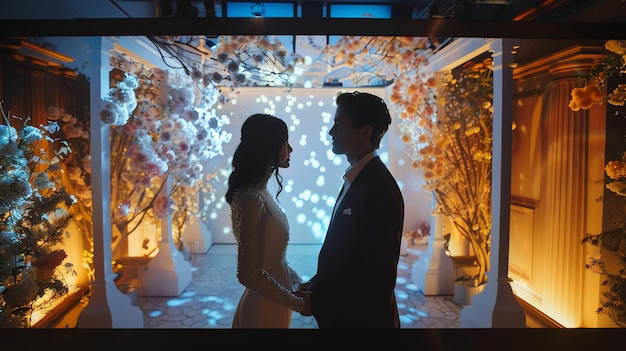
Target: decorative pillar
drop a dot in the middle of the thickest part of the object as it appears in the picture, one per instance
(433, 272)
(195, 232)
(168, 273)
(496, 306)
(107, 307)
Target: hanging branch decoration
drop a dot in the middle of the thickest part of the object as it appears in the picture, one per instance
(171, 130)
(236, 61)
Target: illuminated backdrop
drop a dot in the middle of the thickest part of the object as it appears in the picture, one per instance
(313, 180)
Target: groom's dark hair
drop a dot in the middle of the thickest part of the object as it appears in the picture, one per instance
(366, 109)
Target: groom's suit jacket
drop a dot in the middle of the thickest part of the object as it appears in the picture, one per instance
(357, 265)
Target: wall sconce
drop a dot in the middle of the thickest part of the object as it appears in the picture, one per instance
(257, 9)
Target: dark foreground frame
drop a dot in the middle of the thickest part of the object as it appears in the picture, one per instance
(308, 26)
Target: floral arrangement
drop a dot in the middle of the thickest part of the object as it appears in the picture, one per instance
(76, 175)
(453, 150)
(611, 244)
(613, 300)
(609, 65)
(164, 127)
(419, 235)
(165, 124)
(33, 216)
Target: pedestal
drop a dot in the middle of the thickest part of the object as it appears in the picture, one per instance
(433, 272)
(495, 307)
(463, 294)
(109, 308)
(167, 274)
(197, 235)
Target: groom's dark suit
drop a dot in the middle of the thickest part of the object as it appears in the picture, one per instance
(357, 266)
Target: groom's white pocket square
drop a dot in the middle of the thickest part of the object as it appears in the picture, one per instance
(347, 211)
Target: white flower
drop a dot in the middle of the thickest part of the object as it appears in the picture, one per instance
(112, 112)
(30, 134)
(8, 135)
(130, 82)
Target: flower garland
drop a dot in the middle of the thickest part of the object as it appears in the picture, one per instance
(33, 217)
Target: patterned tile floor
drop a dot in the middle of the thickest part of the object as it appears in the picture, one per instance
(211, 298)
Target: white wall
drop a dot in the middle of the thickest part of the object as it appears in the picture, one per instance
(313, 180)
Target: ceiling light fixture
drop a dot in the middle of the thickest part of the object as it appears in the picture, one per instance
(257, 9)
(210, 43)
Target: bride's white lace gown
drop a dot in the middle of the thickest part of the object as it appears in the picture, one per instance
(262, 233)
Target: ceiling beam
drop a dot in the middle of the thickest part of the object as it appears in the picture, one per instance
(312, 26)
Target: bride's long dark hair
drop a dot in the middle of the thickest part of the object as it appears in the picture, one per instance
(256, 157)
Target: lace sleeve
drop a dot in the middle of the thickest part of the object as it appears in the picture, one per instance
(248, 216)
(296, 280)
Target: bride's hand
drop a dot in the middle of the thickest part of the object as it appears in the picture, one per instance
(306, 295)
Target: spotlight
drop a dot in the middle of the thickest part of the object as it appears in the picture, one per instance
(257, 9)
(209, 43)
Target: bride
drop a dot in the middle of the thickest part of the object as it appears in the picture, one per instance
(260, 227)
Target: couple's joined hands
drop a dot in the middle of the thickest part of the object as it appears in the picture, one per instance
(306, 295)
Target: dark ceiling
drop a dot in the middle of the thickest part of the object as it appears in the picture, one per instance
(498, 10)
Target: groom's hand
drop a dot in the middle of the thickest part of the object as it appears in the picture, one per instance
(306, 295)
(304, 286)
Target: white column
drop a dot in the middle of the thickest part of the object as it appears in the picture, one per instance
(433, 272)
(496, 306)
(168, 273)
(107, 307)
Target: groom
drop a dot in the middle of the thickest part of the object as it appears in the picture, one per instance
(357, 264)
